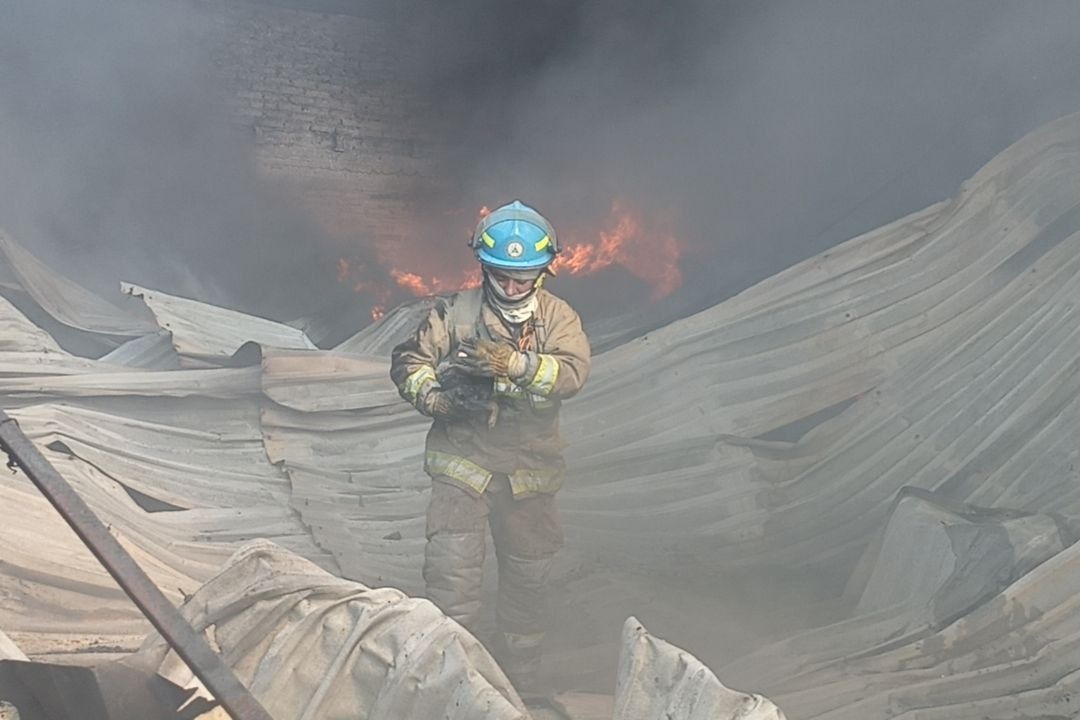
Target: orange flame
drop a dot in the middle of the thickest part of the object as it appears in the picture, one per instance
(651, 253)
(645, 247)
(420, 286)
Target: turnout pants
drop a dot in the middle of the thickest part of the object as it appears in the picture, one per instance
(526, 533)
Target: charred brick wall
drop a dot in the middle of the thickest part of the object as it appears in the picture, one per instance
(332, 122)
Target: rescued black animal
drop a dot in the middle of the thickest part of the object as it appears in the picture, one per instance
(469, 395)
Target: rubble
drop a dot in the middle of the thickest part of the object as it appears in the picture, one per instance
(346, 650)
(350, 651)
(944, 346)
(658, 681)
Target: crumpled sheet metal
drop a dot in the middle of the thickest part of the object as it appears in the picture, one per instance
(67, 301)
(18, 334)
(658, 681)
(313, 646)
(154, 351)
(952, 333)
(939, 558)
(205, 331)
(9, 650)
(357, 482)
(1012, 657)
(210, 463)
(318, 381)
(33, 368)
(219, 465)
(379, 338)
(935, 561)
(106, 380)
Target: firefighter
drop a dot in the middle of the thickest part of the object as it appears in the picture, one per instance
(496, 461)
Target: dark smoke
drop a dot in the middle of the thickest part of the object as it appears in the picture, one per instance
(118, 160)
(771, 130)
(768, 130)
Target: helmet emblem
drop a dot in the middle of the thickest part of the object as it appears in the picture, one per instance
(515, 249)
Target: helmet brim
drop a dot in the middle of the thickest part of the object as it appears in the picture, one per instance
(491, 260)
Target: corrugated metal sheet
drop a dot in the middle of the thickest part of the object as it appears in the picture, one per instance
(153, 351)
(658, 681)
(348, 651)
(9, 650)
(223, 489)
(326, 381)
(206, 331)
(66, 300)
(1012, 657)
(950, 338)
(17, 334)
(954, 332)
(379, 338)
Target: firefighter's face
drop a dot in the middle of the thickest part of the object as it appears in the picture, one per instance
(513, 288)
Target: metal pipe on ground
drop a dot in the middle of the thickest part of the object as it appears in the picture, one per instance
(192, 647)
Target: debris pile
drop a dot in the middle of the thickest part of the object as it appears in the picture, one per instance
(939, 493)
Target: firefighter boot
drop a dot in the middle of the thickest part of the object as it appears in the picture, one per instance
(519, 657)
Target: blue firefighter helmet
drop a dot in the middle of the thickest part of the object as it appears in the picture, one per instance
(515, 237)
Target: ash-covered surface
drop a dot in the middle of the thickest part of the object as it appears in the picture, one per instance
(937, 351)
(944, 342)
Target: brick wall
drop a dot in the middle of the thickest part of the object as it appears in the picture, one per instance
(332, 121)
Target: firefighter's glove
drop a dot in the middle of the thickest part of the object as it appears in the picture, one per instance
(485, 358)
(439, 404)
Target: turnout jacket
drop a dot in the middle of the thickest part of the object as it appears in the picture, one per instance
(524, 442)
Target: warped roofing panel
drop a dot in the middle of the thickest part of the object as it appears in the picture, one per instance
(347, 650)
(224, 488)
(950, 330)
(960, 356)
(1012, 657)
(357, 482)
(67, 301)
(379, 338)
(106, 380)
(202, 330)
(658, 681)
(17, 334)
(318, 381)
(205, 467)
(946, 344)
(9, 650)
(154, 351)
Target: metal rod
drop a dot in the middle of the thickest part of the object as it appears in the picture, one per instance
(189, 645)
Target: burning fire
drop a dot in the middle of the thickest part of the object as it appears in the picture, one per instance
(647, 248)
(421, 287)
(650, 252)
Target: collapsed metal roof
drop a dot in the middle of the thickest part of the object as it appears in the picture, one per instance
(944, 345)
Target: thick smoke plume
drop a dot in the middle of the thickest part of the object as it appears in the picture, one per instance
(118, 159)
(770, 130)
(763, 131)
